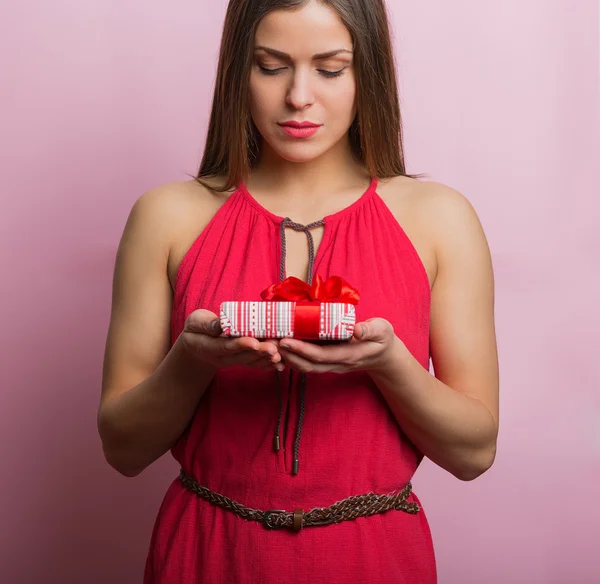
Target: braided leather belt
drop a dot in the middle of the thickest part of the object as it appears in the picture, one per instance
(347, 509)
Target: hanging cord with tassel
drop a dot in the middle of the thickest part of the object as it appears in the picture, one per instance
(302, 393)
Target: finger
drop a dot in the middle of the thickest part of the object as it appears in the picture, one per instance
(276, 358)
(222, 346)
(339, 353)
(203, 322)
(259, 362)
(266, 364)
(239, 344)
(303, 365)
(374, 329)
(249, 359)
(241, 358)
(360, 331)
(268, 347)
(273, 358)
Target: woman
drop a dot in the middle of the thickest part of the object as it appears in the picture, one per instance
(302, 175)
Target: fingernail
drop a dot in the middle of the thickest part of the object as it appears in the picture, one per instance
(214, 324)
(284, 345)
(363, 330)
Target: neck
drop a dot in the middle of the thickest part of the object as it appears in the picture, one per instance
(336, 169)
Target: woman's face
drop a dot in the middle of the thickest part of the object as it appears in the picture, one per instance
(302, 73)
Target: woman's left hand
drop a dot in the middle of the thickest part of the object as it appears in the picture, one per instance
(371, 348)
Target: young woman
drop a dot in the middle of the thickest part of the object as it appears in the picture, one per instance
(296, 458)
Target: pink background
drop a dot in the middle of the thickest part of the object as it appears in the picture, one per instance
(101, 101)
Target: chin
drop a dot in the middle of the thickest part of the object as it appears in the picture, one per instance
(300, 152)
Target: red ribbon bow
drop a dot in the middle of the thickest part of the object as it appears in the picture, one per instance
(292, 289)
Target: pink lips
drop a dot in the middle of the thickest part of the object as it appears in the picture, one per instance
(300, 129)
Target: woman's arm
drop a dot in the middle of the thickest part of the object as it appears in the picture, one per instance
(452, 417)
(149, 391)
(452, 427)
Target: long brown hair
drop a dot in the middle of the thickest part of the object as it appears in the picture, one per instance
(233, 142)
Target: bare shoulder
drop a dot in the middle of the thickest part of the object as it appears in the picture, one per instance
(436, 218)
(449, 210)
(456, 230)
(169, 207)
(176, 213)
(434, 202)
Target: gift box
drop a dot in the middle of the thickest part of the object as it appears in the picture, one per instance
(323, 311)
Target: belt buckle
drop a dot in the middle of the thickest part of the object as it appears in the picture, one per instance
(267, 516)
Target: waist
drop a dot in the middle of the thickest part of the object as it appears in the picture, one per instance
(348, 509)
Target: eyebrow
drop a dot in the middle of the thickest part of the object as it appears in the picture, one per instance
(317, 57)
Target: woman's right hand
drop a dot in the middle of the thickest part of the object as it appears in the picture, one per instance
(202, 338)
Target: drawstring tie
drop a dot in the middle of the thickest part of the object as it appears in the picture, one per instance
(302, 390)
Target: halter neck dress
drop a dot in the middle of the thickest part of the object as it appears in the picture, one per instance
(351, 443)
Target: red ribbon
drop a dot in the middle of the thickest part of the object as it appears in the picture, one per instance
(308, 299)
(292, 289)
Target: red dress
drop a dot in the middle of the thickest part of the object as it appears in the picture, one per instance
(350, 445)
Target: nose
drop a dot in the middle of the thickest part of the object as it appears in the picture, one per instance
(300, 94)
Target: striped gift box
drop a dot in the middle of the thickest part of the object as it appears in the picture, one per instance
(326, 321)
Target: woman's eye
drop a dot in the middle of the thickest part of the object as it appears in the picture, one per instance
(326, 73)
(267, 71)
(323, 72)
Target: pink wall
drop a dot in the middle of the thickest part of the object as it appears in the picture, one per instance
(101, 101)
